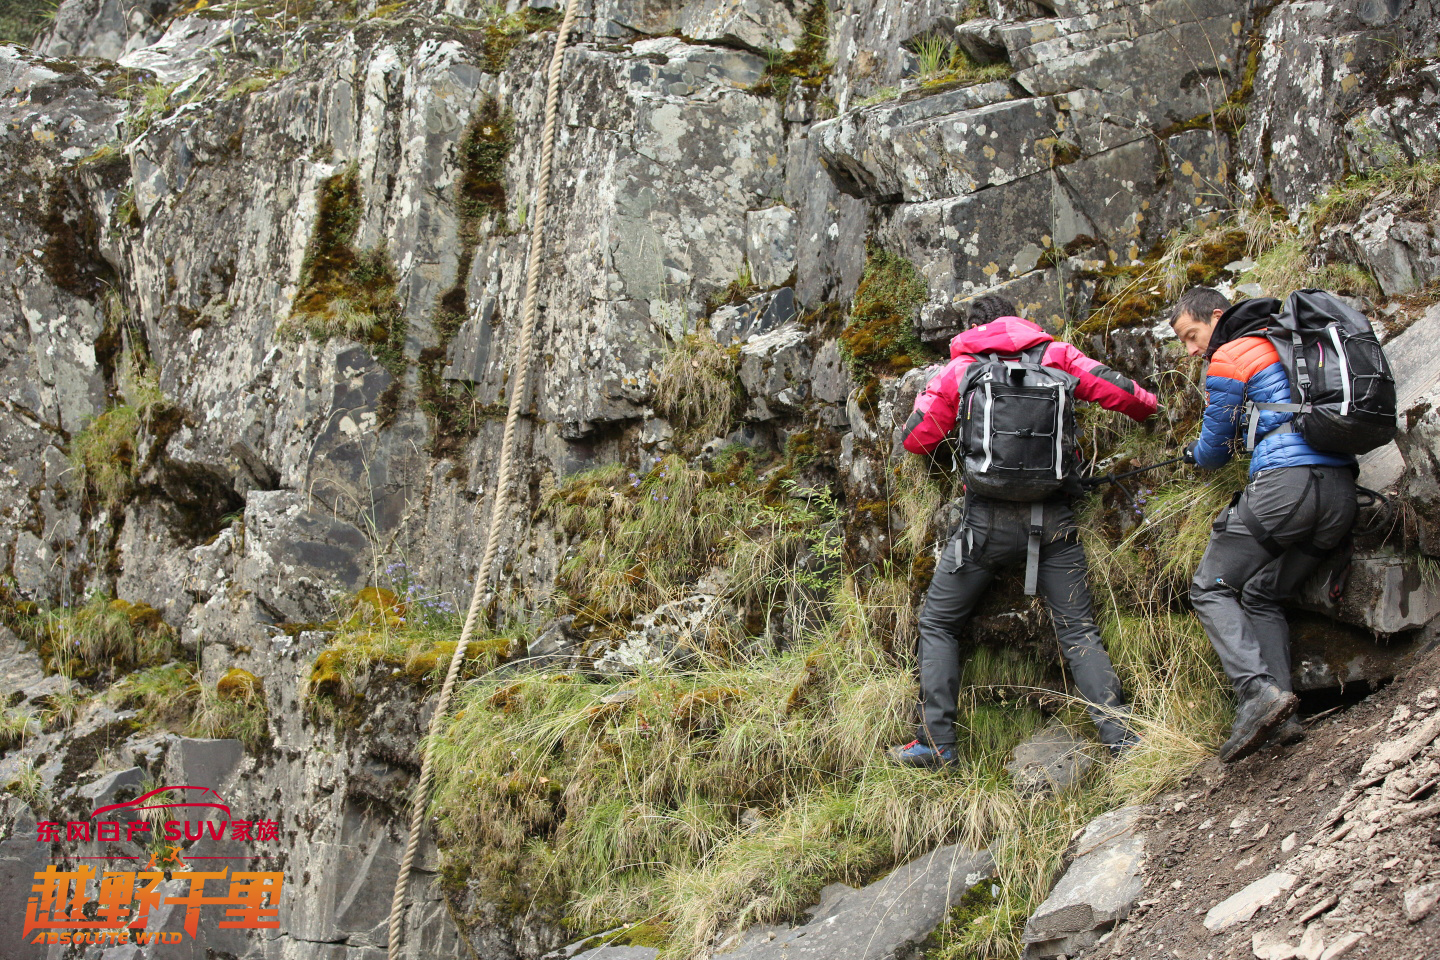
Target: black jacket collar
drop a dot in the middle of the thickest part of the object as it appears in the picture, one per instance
(1244, 318)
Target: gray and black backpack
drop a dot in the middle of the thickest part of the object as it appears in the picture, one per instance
(1017, 427)
(1344, 389)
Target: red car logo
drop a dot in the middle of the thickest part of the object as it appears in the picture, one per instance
(199, 801)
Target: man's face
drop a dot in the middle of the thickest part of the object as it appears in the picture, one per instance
(1194, 333)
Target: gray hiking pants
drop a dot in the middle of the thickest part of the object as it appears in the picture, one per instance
(1262, 548)
(994, 536)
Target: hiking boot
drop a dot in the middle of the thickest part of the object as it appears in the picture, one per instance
(1263, 708)
(917, 754)
(1124, 745)
(1289, 732)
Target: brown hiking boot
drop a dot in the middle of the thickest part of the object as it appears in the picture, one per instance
(1261, 710)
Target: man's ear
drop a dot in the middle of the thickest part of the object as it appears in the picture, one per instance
(1216, 315)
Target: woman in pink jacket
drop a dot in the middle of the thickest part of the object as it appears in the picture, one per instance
(996, 534)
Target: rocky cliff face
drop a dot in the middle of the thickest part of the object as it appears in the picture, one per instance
(265, 267)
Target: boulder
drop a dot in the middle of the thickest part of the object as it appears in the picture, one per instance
(1097, 890)
(881, 921)
(1050, 761)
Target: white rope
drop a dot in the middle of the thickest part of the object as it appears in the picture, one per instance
(519, 387)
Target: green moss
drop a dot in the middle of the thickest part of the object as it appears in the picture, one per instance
(807, 65)
(879, 337)
(345, 291)
(238, 684)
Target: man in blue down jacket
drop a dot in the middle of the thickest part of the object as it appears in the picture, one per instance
(1299, 505)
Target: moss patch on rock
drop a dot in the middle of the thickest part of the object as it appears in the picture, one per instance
(346, 291)
(879, 338)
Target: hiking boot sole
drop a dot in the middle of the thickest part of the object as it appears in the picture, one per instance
(1279, 713)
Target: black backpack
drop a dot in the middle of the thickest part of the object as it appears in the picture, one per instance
(1338, 372)
(1017, 427)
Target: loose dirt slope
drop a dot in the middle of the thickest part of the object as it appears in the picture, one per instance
(1352, 814)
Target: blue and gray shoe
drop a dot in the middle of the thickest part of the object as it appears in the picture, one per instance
(917, 754)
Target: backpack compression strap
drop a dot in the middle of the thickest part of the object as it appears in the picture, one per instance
(1302, 383)
(1032, 549)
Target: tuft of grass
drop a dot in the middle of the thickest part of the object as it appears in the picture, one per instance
(220, 714)
(698, 387)
(941, 62)
(99, 636)
(28, 785)
(164, 696)
(1414, 185)
(641, 540)
(16, 723)
(104, 453)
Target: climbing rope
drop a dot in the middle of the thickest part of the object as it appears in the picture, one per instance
(519, 388)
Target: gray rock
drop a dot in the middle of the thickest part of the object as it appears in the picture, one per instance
(107, 789)
(20, 859)
(1385, 593)
(20, 668)
(762, 313)
(1243, 904)
(883, 920)
(672, 633)
(1052, 760)
(1097, 890)
(770, 245)
(830, 379)
(939, 146)
(775, 371)
(296, 557)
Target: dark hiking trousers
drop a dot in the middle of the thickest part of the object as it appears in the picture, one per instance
(994, 536)
(1262, 548)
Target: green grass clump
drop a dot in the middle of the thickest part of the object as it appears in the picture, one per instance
(16, 723)
(415, 640)
(222, 714)
(103, 453)
(644, 539)
(1413, 184)
(100, 637)
(698, 389)
(943, 63)
(164, 697)
(22, 20)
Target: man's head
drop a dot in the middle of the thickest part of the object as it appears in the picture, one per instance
(1194, 316)
(989, 307)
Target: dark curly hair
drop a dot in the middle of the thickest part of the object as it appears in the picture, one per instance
(989, 307)
(1200, 303)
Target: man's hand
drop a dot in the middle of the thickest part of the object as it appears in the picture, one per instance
(1189, 453)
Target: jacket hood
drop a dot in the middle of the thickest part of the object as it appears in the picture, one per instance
(1003, 335)
(1243, 318)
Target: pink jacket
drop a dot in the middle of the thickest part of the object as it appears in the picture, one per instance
(935, 408)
